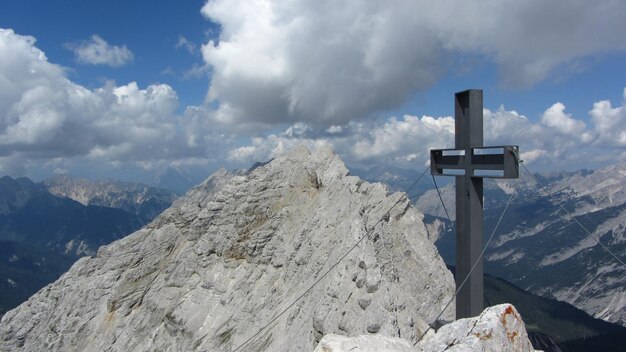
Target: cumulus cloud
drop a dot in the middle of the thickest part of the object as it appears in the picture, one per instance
(555, 117)
(272, 146)
(393, 141)
(46, 119)
(43, 115)
(329, 62)
(96, 51)
(408, 139)
(558, 140)
(610, 123)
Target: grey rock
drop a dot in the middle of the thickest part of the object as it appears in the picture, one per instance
(363, 343)
(225, 259)
(373, 327)
(364, 302)
(497, 329)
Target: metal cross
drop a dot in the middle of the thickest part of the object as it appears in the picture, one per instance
(470, 162)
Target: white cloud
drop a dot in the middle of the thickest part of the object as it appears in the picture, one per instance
(394, 141)
(334, 129)
(271, 146)
(196, 71)
(610, 123)
(298, 129)
(329, 62)
(406, 139)
(556, 118)
(532, 155)
(96, 51)
(186, 44)
(43, 115)
(557, 141)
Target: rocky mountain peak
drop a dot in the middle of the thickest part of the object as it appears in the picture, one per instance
(234, 252)
(14, 193)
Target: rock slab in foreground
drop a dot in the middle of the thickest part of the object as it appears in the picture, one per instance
(221, 262)
(363, 343)
(497, 329)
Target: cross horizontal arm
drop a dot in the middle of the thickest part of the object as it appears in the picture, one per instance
(488, 162)
(441, 161)
(505, 164)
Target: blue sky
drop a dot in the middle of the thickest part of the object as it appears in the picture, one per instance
(127, 89)
(150, 29)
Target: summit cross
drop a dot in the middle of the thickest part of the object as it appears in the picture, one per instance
(470, 162)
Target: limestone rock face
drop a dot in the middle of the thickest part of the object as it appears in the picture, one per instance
(497, 329)
(233, 253)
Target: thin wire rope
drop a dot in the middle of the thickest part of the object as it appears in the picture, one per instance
(367, 233)
(570, 215)
(480, 257)
(441, 199)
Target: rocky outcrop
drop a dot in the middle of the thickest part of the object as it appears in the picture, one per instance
(236, 250)
(497, 329)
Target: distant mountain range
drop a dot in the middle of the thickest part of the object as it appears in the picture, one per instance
(45, 227)
(143, 201)
(539, 248)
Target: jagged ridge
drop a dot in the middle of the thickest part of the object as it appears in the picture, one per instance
(237, 249)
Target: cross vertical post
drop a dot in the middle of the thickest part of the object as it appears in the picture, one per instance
(468, 126)
(471, 162)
